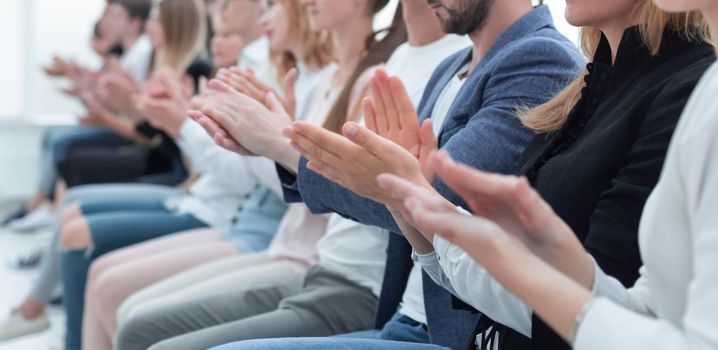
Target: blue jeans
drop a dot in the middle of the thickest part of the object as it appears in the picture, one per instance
(114, 224)
(257, 222)
(57, 142)
(400, 332)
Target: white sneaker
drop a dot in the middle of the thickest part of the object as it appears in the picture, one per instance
(58, 344)
(42, 217)
(16, 325)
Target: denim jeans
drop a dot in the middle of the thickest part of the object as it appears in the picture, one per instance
(114, 224)
(59, 141)
(400, 332)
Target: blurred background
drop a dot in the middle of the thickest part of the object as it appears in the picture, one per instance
(31, 31)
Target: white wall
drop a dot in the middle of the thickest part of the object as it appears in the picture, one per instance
(11, 47)
(33, 31)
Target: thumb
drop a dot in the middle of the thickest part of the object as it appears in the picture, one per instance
(274, 104)
(290, 99)
(219, 86)
(427, 138)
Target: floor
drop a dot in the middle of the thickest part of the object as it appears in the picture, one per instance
(15, 284)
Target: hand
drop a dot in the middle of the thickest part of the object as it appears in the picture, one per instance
(511, 203)
(96, 114)
(356, 160)
(60, 67)
(391, 114)
(165, 101)
(220, 136)
(248, 84)
(244, 120)
(481, 238)
(117, 90)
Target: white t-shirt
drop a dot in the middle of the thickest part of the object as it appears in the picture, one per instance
(414, 65)
(137, 58)
(446, 99)
(255, 55)
(356, 251)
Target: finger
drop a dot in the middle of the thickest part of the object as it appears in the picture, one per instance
(390, 109)
(274, 104)
(469, 182)
(428, 141)
(382, 125)
(326, 170)
(290, 99)
(407, 118)
(375, 144)
(369, 114)
(399, 188)
(219, 86)
(319, 144)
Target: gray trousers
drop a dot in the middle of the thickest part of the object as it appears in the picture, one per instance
(320, 304)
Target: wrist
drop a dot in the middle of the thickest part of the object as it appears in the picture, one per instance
(285, 155)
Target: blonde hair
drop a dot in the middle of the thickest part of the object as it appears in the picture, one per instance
(551, 115)
(319, 47)
(184, 25)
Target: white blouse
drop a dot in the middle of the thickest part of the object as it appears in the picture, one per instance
(674, 304)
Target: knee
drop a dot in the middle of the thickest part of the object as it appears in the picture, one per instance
(75, 235)
(135, 333)
(69, 213)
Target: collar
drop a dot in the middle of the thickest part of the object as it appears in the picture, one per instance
(531, 22)
(633, 54)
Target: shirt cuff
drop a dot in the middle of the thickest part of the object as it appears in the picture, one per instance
(290, 185)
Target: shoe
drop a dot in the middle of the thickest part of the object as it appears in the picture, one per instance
(17, 214)
(16, 325)
(42, 217)
(58, 344)
(26, 261)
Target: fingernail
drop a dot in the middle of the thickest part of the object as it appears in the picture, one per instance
(350, 130)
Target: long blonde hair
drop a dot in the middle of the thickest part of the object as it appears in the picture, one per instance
(184, 25)
(319, 47)
(653, 21)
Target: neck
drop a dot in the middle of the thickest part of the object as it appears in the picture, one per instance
(614, 33)
(502, 15)
(710, 13)
(350, 43)
(422, 26)
(251, 34)
(299, 52)
(130, 40)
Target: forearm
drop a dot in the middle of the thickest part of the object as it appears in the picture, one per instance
(553, 296)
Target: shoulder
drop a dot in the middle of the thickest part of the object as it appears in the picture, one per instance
(540, 50)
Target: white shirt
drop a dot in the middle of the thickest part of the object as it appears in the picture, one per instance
(137, 58)
(356, 251)
(255, 55)
(674, 304)
(446, 99)
(414, 65)
(307, 81)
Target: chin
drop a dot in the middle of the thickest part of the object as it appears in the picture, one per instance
(679, 5)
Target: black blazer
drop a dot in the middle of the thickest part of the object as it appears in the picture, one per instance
(599, 168)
